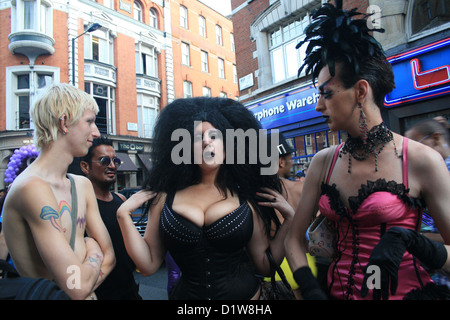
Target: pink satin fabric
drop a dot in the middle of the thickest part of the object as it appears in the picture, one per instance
(379, 207)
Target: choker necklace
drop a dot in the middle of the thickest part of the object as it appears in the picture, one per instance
(377, 138)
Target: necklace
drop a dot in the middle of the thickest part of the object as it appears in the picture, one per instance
(377, 138)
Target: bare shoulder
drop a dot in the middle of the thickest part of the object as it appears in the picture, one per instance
(82, 181)
(423, 158)
(83, 186)
(25, 186)
(294, 186)
(121, 196)
(318, 162)
(27, 196)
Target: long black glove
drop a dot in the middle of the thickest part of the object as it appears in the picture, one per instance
(309, 287)
(388, 254)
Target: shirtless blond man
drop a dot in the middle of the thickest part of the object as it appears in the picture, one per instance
(39, 215)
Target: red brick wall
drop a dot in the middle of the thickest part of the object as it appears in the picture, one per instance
(126, 95)
(246, 64)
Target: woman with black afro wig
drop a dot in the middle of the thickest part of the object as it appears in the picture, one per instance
(374, 189)
(213, 205)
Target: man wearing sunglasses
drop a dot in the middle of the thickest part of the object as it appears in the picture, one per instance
(100, 166)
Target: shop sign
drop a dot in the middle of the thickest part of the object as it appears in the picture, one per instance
(126, 146)
(294, 106)
(420, 74)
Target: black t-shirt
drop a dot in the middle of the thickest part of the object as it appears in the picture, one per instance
(120, 283)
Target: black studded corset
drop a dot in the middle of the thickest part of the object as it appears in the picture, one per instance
(212, 258)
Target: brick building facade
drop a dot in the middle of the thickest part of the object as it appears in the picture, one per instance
(132, 66)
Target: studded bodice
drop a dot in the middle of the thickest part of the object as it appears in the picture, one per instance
(212, 258)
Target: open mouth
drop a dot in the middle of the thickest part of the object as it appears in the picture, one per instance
(327, 118)
(209, 155)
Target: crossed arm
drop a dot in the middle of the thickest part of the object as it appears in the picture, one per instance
(78, 272)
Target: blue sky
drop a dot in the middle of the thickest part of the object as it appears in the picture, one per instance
(221, 6)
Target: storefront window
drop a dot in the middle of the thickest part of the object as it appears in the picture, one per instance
(306, 146)
(300, 146)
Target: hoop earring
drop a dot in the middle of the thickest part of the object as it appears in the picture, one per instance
(362, 124)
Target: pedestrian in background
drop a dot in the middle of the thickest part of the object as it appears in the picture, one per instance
(434, 134)
(100, 166)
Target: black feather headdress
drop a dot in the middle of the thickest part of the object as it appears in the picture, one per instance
(334, 36)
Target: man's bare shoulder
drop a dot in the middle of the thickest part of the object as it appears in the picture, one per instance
(291, 184)
(82, 180)
(28, 184)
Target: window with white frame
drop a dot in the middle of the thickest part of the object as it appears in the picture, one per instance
(285, 58)
(108, 3)
(222, 94)
(221, 68)
(147, 114)
(184, 17)
(22, 87)
(137, 11)
(429, 14)
(104, 95)
(233, 46)
(45, 24)
(219, 39)
(206, 92)
(34, 15)
(202, 26)
(187, 89)
(185, 57)
(29, 15)
(99, 46)
(146, 60)
(235, 76)
(153, 21)
(204, 61)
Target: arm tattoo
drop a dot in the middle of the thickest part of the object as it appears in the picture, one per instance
(48, 213)
(94, 261)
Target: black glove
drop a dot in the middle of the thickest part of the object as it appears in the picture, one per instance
(309, 287)
(388, 254)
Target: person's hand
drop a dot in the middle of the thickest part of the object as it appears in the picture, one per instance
(134, 202)
(275, 200)
(388, 254)
(308, 284)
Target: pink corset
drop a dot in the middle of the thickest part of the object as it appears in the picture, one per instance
(379, 206)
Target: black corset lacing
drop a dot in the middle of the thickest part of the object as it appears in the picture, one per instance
(343, 212)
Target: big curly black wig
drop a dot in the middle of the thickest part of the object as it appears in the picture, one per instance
(243, 179)
(336, 36)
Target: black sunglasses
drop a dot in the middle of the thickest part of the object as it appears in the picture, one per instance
(105, 161)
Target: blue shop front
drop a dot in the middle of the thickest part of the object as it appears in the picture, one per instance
(293, 113)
